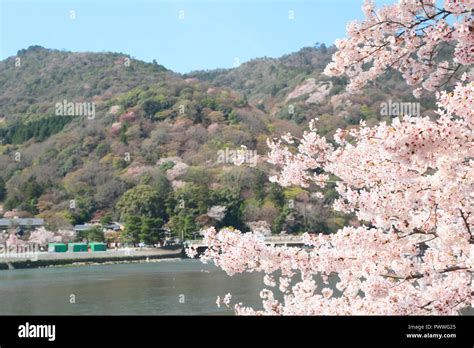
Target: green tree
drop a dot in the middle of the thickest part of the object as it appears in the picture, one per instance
(3, 191)
(150, 230)
(258, 186)
(106, 219)
(279, 222)
(242, 102)
(31, 188)
(198, 175)
(11, 203)
(230, 198)
(131, 233)
(232, 117)
(276, 195)
(82, 211)
(123, 133)
(189, 202)
(95, 234)
(367, 113)
(142, 200)
(29, 205)
(167, 165)
(183, 224)
(102, 149)
(194, 198)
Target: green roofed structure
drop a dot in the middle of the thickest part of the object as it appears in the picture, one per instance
(77, 247)
(57, 248)
(98, 246)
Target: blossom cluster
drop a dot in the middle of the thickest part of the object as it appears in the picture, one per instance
(407, 36)
(39, 236)
(410, 183)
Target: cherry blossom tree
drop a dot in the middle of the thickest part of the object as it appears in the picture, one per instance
(260, 227)
(65, 236)
(407, 36)
(41, 236)
(13, 240)
(217, 212)
(410, 183)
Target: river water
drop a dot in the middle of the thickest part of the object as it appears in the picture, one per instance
(168, 287)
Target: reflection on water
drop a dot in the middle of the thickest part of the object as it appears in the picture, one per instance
(135, 289)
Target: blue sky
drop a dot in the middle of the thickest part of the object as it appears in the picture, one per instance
(211, 35)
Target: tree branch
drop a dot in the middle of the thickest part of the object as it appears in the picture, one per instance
(419, 276)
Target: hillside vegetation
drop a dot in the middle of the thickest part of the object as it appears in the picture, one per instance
(151, 155)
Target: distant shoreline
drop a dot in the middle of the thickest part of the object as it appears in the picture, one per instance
(44, 260)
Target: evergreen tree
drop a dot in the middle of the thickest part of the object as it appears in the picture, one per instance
(3, 191)
(131, 234)
(150, 230)
(95, 235)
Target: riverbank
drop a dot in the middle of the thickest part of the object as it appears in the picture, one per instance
(46, 259)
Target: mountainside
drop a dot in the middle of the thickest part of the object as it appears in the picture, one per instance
(294, 87)
(88, 135)
(36, 77)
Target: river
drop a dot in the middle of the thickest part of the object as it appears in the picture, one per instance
(168, 287)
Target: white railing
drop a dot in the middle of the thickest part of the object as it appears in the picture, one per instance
(266, 239)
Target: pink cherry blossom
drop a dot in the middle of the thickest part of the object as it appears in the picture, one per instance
(410, 184)
(407, 37)
(41, 236)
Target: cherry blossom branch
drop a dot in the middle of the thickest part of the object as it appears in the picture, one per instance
(464, 218)
(419, 276)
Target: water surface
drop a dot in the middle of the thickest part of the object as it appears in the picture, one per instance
(168, 287)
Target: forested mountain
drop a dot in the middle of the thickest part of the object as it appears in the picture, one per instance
(31, 81)
(294, 87)
(154, 147)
